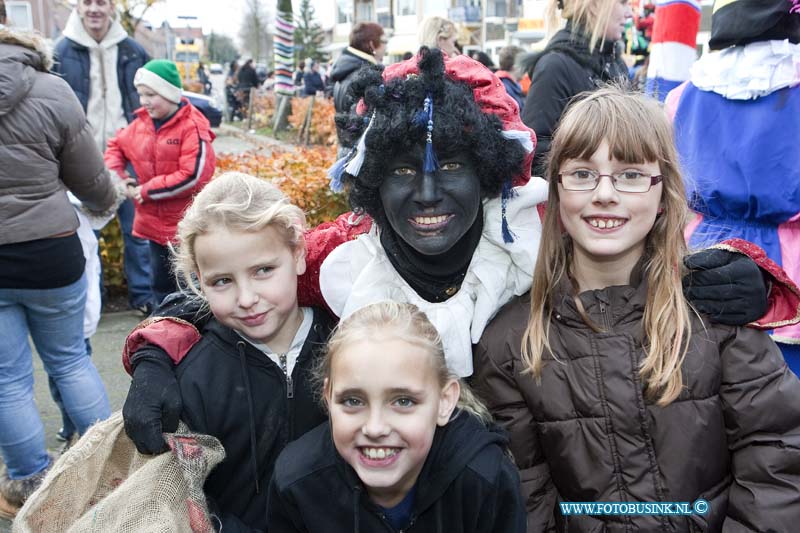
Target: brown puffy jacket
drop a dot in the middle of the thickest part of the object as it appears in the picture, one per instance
(587, 433)
(46, 146)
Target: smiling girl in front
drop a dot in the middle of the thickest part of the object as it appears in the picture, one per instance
(613, 389)
(406, 449)
(247, 380)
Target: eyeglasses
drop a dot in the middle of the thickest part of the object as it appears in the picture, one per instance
(627, 181)
(384, 40)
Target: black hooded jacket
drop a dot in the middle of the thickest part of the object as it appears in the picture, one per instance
(233, 391)
(342, 75)
(565, 68)
(467, 485)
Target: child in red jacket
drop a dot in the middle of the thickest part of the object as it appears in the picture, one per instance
(169, 147)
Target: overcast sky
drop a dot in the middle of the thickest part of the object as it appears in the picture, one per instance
(222, 16)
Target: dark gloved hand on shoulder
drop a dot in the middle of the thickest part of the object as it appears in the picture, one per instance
(727, 286)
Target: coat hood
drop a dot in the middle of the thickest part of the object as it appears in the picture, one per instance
(38, 53)
(454, 446)
(75, 31)
(22, 54)
(350, 61)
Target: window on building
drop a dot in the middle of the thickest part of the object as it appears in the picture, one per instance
(344, 11)
(363, 11)
(497, 9)
(19, 14)
(406, 7)
(437, 7)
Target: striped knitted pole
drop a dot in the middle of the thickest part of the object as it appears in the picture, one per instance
(672, 49)
(284, 53)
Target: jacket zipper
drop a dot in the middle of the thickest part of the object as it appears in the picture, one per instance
(289, 381)
(402, 530)
(604, 314)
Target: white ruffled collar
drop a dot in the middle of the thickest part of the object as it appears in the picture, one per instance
(749, 71)
(358, 273)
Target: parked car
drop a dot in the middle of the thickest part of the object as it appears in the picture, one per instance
(207, 106)
(215, 68)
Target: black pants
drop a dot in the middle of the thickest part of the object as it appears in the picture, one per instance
(162, 281)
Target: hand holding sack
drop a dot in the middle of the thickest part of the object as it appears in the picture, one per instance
(103, 484)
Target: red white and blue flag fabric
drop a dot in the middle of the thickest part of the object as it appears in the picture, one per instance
(672, 49)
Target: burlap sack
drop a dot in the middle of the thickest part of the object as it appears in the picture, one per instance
(102, 484)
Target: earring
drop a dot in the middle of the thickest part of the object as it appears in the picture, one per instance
(660, 211)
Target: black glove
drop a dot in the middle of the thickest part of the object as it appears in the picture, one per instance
(726, 286)
(154, 404)
(185, 307)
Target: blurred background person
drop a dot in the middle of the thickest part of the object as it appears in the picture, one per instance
(246, 79)
(438, 32)
(583, 55)
(297, 79)
(234, 106)
(509, 73)
(312, 81)
(367, 46)
(98, 60)
(42, 280)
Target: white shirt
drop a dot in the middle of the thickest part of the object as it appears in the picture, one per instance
(294, 349)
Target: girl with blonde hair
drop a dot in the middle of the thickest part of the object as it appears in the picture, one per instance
(247, 380)
(612, 387)
(407, 442)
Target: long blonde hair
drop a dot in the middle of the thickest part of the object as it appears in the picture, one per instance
(237, 201)
(394, 320)
(637, 131)
(591, 16)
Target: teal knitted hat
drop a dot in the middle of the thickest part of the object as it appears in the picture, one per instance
(162, 76)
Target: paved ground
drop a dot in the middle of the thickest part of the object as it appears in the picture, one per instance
(107, 347)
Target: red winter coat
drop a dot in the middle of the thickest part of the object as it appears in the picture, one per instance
(171, 164)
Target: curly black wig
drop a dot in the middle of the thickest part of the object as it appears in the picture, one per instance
(459, 125)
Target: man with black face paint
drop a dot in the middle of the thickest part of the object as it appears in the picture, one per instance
(441, 164)
(435, 168)
(431, 211)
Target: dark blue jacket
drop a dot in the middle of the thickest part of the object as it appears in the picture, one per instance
(313, 83)
(72, 63)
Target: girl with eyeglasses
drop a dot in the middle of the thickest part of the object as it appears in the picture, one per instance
(612, 386)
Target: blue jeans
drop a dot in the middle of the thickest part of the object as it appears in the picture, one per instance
(162, 282)
(54, 320)
(67, 427)
(136, 259)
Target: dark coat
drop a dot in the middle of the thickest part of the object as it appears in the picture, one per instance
(46, 146)
(312, 82)
(513, 88)
(466, 485)
(247, 78)
(233, 391)
(73, 64)
(343, 72)
(564, 69)
(588, 434)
